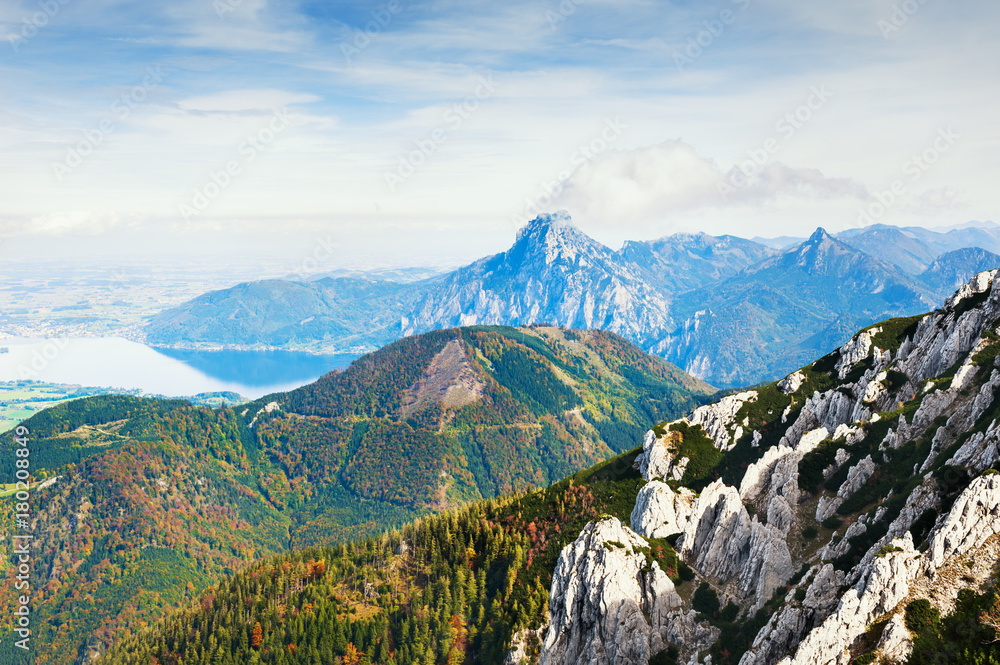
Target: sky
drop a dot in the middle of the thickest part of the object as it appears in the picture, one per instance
(356, 134)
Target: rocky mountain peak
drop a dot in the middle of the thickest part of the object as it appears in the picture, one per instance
(823, 253)
(818, 236)
(554, 237)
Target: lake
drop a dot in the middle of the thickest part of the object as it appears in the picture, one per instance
(119, 363)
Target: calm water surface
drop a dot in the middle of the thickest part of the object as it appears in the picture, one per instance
(119, 363)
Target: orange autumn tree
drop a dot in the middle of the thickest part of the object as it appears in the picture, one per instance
(351, 654)
(257, 638)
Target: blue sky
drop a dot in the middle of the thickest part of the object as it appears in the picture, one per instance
(260, 127)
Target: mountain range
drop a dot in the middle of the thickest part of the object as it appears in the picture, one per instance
(730, 311)
(848, 513)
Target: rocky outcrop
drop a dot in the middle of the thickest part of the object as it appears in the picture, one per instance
(719, 419)
(690, 635)
(658, 459)
(883, 585)
(721, 540)
(608, 604)
(944, 336)
(923, 498)
(787, 627)
(828, 410)
(857, 476)
(857, 349)
(981, 451)
(771, 483)
(973, 518)
(896, 643)
(792, 382)
(660, 512)
(747, 559)
(522, 645)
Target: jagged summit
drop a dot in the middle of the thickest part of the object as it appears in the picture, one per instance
(554, 237)
(545, 222)
(825, 254)
(818, 236)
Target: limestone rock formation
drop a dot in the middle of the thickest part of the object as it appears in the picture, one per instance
(884, 584)
(719, 419)
(792, 382)
(974, 518)
(660, 512)
(721, 540)
(603, 590)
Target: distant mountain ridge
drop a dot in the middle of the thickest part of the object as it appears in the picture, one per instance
(700, 301)
(778, 312)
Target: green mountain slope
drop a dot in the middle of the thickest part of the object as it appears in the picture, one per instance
(448, 589)
(157, 499)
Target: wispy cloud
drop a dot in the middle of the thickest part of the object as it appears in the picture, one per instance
(635, 187)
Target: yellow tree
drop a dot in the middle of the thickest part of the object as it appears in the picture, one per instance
(351, 654)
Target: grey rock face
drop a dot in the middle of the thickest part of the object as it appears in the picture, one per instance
(750, 559)
(857, 476)
(896, 643)
(920, 500)
(721, 540)
(944, 336)
(787, 628)
(828, 410)
(980, 452)
(553, 273)
(602, 591)
(856, 350)
(658, 460)
(792, 382)
(973, 518)
(660, 512)
(772, 482)
(883, 585)
(719, 419)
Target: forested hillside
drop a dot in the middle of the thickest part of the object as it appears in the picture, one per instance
(153, 500)
(448, 589)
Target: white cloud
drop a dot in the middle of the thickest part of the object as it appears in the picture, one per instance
(660, 181)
